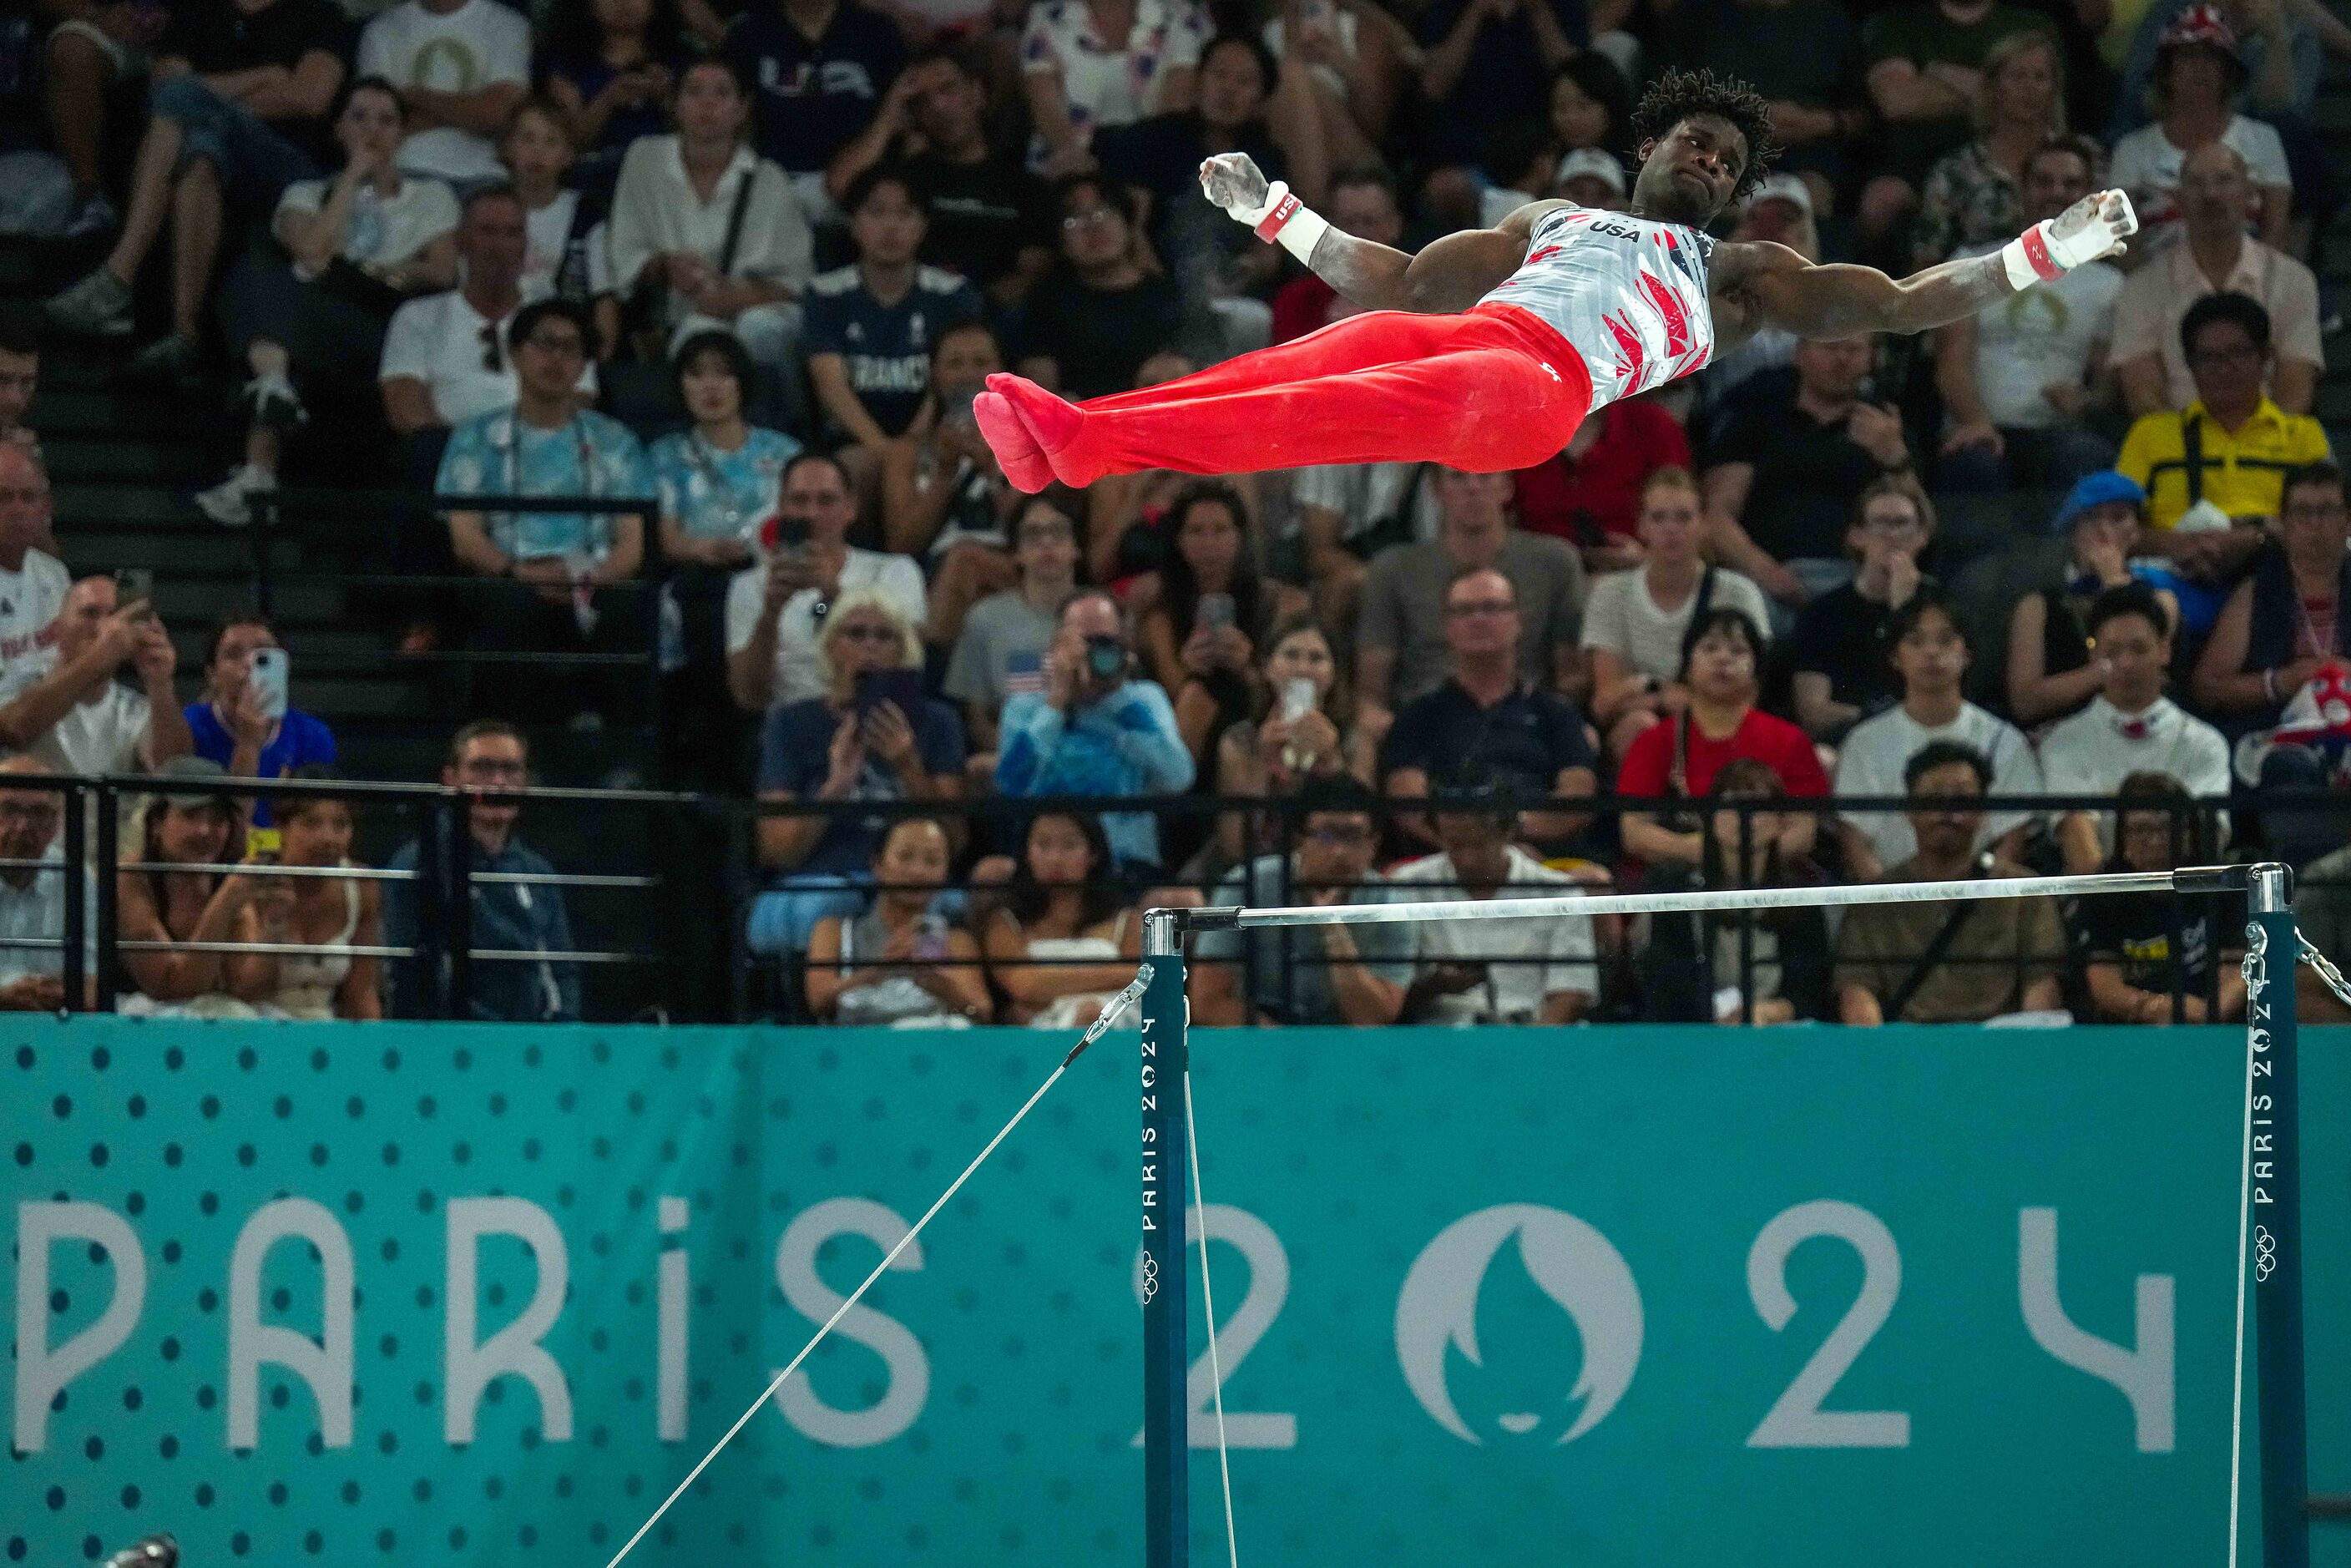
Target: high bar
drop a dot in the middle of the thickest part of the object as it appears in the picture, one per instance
(2185, 880)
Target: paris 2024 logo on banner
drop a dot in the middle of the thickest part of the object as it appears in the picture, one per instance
(1567, 1261)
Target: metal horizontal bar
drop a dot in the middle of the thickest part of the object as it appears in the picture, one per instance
(533, 956)
(319, 950)
(560, 879)
(1665, 903)
(353, 873)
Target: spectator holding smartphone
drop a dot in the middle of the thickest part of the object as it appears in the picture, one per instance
(106, 726)
(899, 963)
(1200, 639)
(774, 608)
(244, 721)
(873, 736)
(322, 912)
(167, 891)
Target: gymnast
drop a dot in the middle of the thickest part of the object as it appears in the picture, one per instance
(1487, 347)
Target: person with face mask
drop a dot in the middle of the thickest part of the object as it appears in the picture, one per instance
(1926, 648)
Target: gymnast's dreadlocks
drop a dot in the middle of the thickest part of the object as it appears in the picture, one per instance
(1679, 95)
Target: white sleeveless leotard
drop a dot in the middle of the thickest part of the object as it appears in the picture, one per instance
(1629, 294)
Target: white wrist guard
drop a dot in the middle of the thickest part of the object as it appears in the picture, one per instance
(2040, 254)
(1283, 219)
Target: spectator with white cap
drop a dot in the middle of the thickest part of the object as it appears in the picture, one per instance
(1590, 178)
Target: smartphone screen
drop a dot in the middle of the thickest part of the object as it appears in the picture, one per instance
(266, 678)
(902, 687)
(132, 584)
(1216, 611)
(1297, 698)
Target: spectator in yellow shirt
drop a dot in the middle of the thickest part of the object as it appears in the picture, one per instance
(2225, 456)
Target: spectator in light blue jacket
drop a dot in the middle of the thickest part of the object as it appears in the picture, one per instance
(1095, 729)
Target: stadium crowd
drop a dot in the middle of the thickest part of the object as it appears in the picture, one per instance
(730, 279)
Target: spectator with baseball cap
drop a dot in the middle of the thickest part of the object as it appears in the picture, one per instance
(2199, 73)
(2100, 521)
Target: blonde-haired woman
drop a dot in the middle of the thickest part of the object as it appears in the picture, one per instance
(874, 736)
(1976, 195)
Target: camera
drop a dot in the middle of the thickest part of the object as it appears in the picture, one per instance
(1105, 657)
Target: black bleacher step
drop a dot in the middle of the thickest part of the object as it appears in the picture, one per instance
(333, 698)
(2334, 403)
(190, 557)
(108, 410)
(125, 460)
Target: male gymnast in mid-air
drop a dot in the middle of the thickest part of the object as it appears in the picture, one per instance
(1487, 347)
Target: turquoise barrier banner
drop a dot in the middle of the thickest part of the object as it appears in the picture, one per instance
(1786, 1299)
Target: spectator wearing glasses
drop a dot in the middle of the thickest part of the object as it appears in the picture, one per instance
(1928, 650)
(2215, 255)
(1001, 649)
(361, 243)
(554, 562)
(448, 358)
(1839, 647)
(709, 226)
(1318, 974)
(1400, 646)
(485, 756)
(2197, 75)
(1487, 718)
(33, 897)
(1943, 962)
(1095, 729)
(230, 727)
(873, 736)
(2130, 726)
(1107, 309)
(2142, 949)
(2242, 444)
(2286, 623)
(776, 608)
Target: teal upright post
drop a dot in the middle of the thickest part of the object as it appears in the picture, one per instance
(2275, 1186)
(1167, 1418)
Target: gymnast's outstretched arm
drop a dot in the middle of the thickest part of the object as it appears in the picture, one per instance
(1762, 285)
(1447, 275)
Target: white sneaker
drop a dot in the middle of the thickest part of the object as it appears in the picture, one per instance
(229, 503)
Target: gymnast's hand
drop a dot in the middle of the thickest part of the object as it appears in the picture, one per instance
(2101, 214)
(1233, 182)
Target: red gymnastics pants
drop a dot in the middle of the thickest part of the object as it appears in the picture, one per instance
(1491, 388)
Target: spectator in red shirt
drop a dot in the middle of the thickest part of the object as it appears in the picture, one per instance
(1722, 664)
(1363, 204)
(1590, 494)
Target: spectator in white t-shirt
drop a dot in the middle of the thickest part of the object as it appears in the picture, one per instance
(360, 244)
(2018, 376)
(1635, 621)
(2130, 726)
(1536, 970)
(713, 225)
(461, 66)
(1928, 649)
(774, 609)
(33, 897)
(2197, 74)
(448, 358)
(33, 582)
(110, 727)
